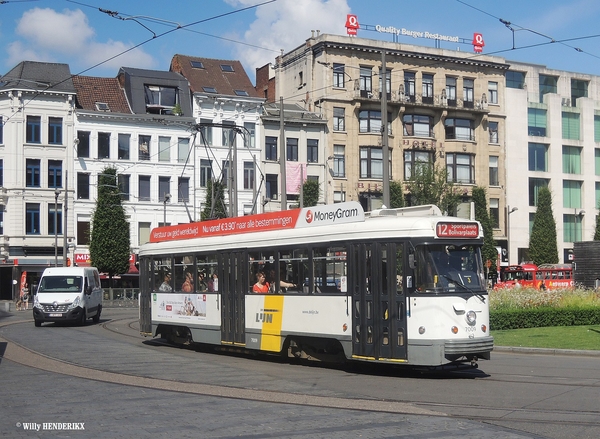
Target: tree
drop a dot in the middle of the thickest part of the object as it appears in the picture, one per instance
(490, 253)
(396, 194)
(428, 184)
(543, 248)
(311, 191)
(214, 206)
(110, 240)
(597, 231)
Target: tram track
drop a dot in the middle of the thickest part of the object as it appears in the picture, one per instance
(517, 415)
(126, 327)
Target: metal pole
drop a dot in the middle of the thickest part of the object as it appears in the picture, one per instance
(65, 221)
(282, 156)
(384, 133)
(56, 193)
(508, 212)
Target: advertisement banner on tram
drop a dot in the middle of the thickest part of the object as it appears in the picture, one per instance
(316, 216)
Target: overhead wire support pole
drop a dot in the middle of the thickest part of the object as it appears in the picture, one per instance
(384, 133)
(282, 155)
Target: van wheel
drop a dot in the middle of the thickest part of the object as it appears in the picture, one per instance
(96, 318)
(38, 323)
(83, 318)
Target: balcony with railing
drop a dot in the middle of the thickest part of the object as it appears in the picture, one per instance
(439, 101)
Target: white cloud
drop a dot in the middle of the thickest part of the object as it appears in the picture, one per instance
(48, 35)
(65, 32)
(286, 24)
(104, 53)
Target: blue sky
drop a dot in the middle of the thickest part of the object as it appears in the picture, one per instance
(144, 33)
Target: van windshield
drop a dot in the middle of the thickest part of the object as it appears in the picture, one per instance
(53, 284)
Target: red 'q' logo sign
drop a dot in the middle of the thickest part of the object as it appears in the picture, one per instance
(309, 216)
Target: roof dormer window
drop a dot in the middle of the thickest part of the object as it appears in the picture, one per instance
(160, 100)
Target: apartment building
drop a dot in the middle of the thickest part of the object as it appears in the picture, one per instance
(227, 130)
(37, 112)
(443, 106)
(139, 123)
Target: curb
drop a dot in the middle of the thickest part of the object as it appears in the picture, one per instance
(545, 351)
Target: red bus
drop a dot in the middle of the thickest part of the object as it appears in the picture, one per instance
(545, 276)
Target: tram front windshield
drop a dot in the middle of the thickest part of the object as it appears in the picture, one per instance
(449, 268)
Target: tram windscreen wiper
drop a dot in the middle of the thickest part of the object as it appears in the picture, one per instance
(461, 284)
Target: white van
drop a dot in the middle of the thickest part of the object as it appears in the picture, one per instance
(68, 294)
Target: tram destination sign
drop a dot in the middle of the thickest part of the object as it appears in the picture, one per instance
(339, 213)
(457, 230)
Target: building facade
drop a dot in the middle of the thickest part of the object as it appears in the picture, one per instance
(37, 108)
(444, 107)
(553, 139)
(227, 133)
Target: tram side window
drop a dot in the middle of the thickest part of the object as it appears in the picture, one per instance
(293, 271)
(262, 262)
(399, 268)
(183, 274)
(330, 269)
(162, 274)
(207, 278)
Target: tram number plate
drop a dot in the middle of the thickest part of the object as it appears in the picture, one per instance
(55, 314)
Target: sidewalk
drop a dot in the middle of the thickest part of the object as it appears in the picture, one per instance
(10, 306)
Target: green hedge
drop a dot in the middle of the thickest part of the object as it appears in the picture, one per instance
(541, 317)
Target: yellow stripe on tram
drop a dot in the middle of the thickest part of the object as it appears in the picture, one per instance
(272, 320)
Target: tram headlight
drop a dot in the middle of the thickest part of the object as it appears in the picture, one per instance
(471, 317)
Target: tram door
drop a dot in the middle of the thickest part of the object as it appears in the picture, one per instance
(232, 287)
(379, 320)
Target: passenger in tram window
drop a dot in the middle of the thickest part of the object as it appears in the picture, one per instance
(282, 282)
(188, 284)
(166, 285)
(213, 283)
(261, 286)
(202, 285)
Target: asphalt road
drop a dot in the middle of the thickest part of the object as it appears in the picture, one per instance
(106, 381)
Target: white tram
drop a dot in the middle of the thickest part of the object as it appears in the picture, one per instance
(395, 285)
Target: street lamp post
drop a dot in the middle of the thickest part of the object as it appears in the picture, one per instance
(56, 194)
(508, 212)
(165, 200)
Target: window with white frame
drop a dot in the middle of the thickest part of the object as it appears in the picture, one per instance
(124, 142)
(312, 150)
(164, 149)
(183, 149)
(205, 172)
